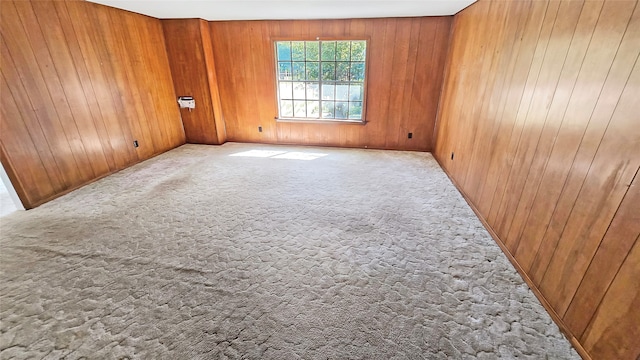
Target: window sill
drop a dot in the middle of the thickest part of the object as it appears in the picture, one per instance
(323, 121)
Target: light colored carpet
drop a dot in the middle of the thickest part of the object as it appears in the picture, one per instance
(195, 254)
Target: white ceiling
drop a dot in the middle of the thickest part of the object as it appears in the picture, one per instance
(288, 9)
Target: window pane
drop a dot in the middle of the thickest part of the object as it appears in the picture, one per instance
(299, 108)
(313, 50)
(343, 50)
(284, 50)
(342, 92)
(286, 108)
(328, 71)
(355, 92)
(298, 90)
(355, 110)
(297, 50)
(312, 71)
(358, 50)
(342, 109)
(321, 79)
(313, 91)
(342, 71)
(286, 90)
(298, 71)
(357, 71)
(328, 50)
(313, 109)
(327, 109)
(328, 92)
(284, 71)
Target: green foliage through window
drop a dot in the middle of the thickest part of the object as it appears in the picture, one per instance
(321, 79)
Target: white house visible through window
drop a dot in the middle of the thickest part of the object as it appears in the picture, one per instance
(321, 80)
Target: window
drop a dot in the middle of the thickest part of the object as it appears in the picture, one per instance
(321, 80)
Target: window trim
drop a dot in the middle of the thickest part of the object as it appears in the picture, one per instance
(276, 82)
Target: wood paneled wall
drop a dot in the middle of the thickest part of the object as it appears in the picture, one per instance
(406, 61)
(193, 68)
(80, 82)
(539, 126)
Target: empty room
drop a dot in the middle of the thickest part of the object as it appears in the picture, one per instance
(319, 179)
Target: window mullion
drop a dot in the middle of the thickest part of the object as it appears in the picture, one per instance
(320, 77)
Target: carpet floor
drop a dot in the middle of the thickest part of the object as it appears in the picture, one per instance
(247, 251)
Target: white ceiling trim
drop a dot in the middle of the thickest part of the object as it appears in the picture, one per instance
(287, 9)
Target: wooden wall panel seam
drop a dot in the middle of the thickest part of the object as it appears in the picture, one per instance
(501, 101)
(509, 228)
(50, 109)
(70, 81)
(553, 145)
(574, 196)
(486, 195)
(575, 158)
(629, 344)
(504, 211)
(445, 80)
(74, 116)
(78, 61)
(565, 183)
(498, 195)
(78, 151)
(565, 227)
(579, 335)
(113, 129)
(478, 149)
(488, 66)
(60, 182)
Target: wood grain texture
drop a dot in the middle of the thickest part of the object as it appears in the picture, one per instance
(612, 252)
(406, 61)
(80, 83)
(613, 332)
(207, 47)
(193, 75)
(544, 129)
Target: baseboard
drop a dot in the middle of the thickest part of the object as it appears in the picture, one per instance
(92, 180)
(556, 318)
(342, 146)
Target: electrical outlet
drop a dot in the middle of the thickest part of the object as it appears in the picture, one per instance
(135, 143)
(410, 135)
(259, 128)
(452, 156)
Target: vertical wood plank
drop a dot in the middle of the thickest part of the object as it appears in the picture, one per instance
(78, 114)
(407, 59)
(26, 160)
(189, 71)
(522, 59)
(80, 82)
(563, 144)
(221, 132)
(613, 250)
(488, 114)
(86, 85)
(576, 143)
(546, 89)
(91, 46)
(523, 104)
(614, 331)
(52, 177)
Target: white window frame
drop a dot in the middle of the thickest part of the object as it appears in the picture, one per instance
(320, 118)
